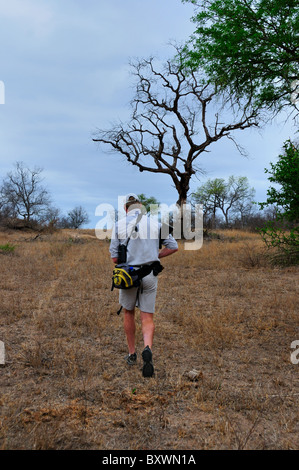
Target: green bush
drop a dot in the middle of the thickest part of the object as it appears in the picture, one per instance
(283, 235)
(283, 244)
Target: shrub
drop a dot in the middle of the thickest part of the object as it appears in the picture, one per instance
(7, 248)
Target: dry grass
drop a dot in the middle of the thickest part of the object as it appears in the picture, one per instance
(224, 325)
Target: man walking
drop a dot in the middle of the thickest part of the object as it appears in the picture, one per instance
(142, 249)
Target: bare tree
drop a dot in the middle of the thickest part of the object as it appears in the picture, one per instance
(242, 195)
(237, 198)
(209, 194)
(77, 217)
(23, 195)
(172, 123)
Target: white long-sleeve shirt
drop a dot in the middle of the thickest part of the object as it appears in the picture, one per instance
(143, 246)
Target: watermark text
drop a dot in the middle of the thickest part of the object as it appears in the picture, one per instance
(2, 353)
(185, 222)
(295, 354)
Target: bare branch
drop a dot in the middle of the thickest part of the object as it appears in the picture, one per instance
(171, 123)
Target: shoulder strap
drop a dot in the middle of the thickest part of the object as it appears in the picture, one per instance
(136, 223)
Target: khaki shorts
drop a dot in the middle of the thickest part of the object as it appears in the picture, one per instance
(143, 297)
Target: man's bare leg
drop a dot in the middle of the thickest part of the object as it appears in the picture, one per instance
(148, 328)
(129, 327)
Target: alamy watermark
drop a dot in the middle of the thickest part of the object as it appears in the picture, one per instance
(2, 353)
(184, 222)
(2, 92)
(295, 354)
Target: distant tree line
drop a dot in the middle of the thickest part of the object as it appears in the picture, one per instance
(231, 204)
(25, 202)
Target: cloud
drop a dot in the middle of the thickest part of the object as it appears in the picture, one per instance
(29, 14)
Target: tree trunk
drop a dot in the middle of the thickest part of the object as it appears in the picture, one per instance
(182, 188)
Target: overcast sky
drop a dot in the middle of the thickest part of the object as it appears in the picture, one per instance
(64, 65)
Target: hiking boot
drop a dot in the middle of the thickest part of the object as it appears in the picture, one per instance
(131, 359)
(148, 368)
